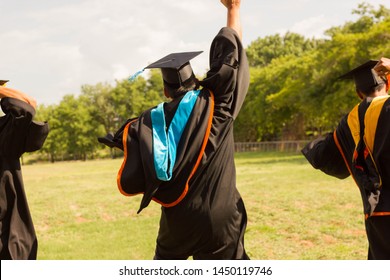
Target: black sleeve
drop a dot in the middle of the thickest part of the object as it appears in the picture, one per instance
(228, 77)
(324, 155)
(14, 126)
(36, 136)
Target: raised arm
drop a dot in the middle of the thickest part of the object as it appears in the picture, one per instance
(233, 15)
(383, 67)
(13, 93)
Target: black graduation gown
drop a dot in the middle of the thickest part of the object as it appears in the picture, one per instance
(360, 146)
(18, 134)
(203, 214)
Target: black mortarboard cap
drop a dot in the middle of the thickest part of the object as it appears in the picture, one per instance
(175, 67)
(364, 76)
(3, 82)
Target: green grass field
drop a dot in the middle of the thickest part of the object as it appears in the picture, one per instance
(294, 211)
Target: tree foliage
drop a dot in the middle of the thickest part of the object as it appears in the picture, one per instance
(294, 91)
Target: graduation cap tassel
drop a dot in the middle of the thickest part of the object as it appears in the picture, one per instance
(134, 76)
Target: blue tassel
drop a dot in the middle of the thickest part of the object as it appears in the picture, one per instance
(134, 76)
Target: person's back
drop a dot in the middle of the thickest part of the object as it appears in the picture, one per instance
(359, 147)
(187, 163)
(18, 134)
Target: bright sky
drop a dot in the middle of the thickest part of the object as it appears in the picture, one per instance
(50, 48)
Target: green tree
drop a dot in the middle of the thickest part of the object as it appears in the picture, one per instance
(130, 99)
(54, 144)
(263, 50)
(294, 94)
(98, 98)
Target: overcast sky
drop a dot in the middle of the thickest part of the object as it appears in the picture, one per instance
(50, 48)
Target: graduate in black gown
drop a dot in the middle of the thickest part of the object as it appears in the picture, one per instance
(181, 153)
(18, 134)
(360, 146)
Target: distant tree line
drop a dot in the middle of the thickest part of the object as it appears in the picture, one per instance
(76, 122)
(294, 92)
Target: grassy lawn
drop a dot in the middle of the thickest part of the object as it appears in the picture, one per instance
(294, 211)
